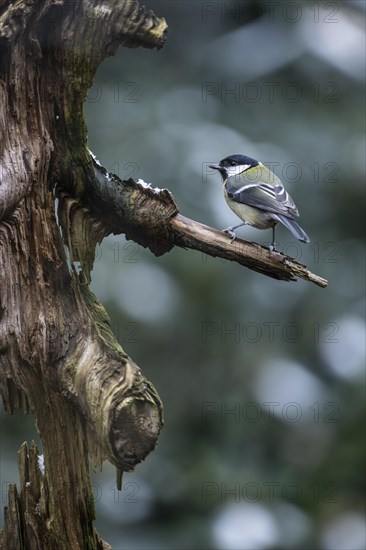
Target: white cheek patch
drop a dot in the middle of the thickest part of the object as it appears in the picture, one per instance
(236, 170)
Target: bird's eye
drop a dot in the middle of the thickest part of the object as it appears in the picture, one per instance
(232, 163)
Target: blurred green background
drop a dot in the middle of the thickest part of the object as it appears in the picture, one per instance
(262, 381)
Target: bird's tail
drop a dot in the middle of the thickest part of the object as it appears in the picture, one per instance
(294, 227)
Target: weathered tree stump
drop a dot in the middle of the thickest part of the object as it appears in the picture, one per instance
(58, 356)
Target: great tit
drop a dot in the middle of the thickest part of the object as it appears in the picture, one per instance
(257, 197)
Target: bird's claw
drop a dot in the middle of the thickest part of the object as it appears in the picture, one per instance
(272, 248)
(229, 231)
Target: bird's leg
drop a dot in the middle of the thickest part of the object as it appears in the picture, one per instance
(272, 246)
(231, 232)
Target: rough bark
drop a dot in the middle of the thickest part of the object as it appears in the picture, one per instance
(58, 356)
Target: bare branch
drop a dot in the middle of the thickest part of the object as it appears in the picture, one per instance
(155, 222)
(191, 234)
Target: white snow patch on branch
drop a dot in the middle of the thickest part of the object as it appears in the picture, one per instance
(95, 158)
(41, 464)
(148, 186)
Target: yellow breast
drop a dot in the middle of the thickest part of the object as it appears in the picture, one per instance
(252, 216)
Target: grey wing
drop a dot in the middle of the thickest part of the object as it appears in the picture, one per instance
(271, 198)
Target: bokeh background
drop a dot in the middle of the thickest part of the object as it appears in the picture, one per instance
(262, 381)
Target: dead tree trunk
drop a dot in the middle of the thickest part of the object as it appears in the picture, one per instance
(58, 356)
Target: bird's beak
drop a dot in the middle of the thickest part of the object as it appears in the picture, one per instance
(215, 166)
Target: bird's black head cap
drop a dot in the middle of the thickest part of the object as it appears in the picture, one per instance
(237, 160)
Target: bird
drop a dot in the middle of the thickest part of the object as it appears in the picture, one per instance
(257, 196)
